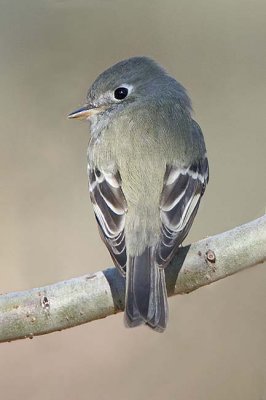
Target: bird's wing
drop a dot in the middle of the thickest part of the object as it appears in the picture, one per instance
(181, 194)
(110, 208)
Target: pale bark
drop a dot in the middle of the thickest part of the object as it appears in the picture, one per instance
(77, 301)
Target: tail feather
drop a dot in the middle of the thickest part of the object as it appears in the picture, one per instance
(146, 296)
(132, 315)
(160, 318)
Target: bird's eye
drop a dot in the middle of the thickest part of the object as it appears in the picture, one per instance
(120, 93)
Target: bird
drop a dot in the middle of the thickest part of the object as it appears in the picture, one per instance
(147, 172)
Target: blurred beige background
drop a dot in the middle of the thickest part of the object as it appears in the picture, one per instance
(50, 52)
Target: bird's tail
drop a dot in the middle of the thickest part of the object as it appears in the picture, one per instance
(146, 296)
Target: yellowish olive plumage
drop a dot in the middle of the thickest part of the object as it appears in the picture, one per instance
(147, 170)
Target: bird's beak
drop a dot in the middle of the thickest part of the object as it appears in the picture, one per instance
(84, 112)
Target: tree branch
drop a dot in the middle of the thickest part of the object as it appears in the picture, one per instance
(77, 301)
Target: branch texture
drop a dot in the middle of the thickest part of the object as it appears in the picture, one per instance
(76, 301)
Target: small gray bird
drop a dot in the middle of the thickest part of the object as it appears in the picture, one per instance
(147, 169)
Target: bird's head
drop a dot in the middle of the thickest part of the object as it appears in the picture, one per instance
(135, 81)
